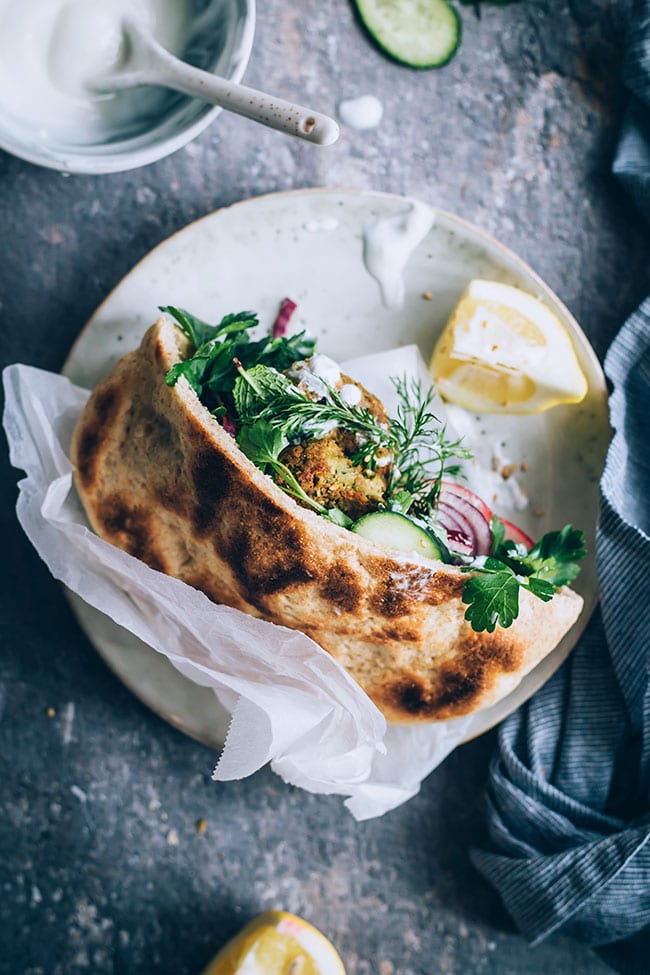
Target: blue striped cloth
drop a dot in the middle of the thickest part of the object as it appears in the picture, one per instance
(569, 792)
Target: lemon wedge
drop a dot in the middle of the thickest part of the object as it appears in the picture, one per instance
(503, 351)
(277, 943)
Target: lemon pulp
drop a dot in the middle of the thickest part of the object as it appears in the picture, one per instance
(277, 943)
(504, 351)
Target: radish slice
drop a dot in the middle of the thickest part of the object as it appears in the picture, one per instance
(516, 534)
(281, 322)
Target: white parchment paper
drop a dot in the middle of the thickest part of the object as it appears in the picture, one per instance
(292, 705)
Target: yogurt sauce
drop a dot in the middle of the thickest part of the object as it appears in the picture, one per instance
(389, 242)
(52, 50)
(364, 112)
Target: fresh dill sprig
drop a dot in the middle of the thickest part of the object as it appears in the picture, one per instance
(261, 395)
(417, 447)
(423, 453)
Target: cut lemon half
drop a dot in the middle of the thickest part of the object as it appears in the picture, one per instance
(503, 351)
(277, 943)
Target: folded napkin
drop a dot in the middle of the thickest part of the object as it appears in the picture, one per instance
(569, 790)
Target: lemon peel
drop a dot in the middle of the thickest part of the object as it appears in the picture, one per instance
(277, 943)
(504, 351)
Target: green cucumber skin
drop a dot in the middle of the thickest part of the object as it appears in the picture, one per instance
(451, 53)
(394, 522)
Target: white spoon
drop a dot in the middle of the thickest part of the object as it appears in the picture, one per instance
(146, 62)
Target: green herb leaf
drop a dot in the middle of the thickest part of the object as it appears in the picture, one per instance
(551, 563)
(492, 598)
(259, 387)
(401, 502)
(279, 353)
(541, 588)
(555, 556)
(261, 443)
(192, 369)
(195, 328)
(338, 517)
(498, 532)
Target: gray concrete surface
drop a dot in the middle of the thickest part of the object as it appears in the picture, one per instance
(101, 868)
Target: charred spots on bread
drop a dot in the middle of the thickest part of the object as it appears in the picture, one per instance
(264, 574)
(401, 633)
(130, 529)
(268, 555)
(390, 602)
(458, 685)
(211, 475)
(105, 405)
(398, 588)
(411, 697)
(87, 444)
(215, 589)
(342, 588)
(443, 588)
(474, 671)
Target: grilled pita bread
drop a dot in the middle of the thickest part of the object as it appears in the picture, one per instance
(161, 479)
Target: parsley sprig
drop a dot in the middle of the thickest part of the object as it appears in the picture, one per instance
(492, 593)
(211, 371)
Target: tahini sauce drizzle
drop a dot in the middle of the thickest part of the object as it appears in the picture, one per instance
(389, 242)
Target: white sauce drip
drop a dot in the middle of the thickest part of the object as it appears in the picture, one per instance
(350, 394)
(51, 50)
(364, 112)
(325, 368)
(312, 374)
(388, 244)
(301, 374)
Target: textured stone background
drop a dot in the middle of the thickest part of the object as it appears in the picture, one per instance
(101, 869)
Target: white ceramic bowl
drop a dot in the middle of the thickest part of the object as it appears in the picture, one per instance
(223, 47)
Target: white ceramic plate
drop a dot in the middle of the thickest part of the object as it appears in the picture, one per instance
(308, 245)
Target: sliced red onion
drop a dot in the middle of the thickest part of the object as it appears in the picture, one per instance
(229, 425)
(459, 533)
(461, 491)
(281, 322)
(448, 515)
(474, 522)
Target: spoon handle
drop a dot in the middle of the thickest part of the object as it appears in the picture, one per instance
(277, 113)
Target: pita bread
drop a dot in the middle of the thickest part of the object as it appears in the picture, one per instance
(161, 479)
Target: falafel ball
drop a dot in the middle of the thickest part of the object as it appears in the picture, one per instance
(324, 467)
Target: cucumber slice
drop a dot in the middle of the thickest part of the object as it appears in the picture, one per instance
(419, 33)
(392, 530)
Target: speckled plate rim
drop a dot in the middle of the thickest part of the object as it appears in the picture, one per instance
(92, 621)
